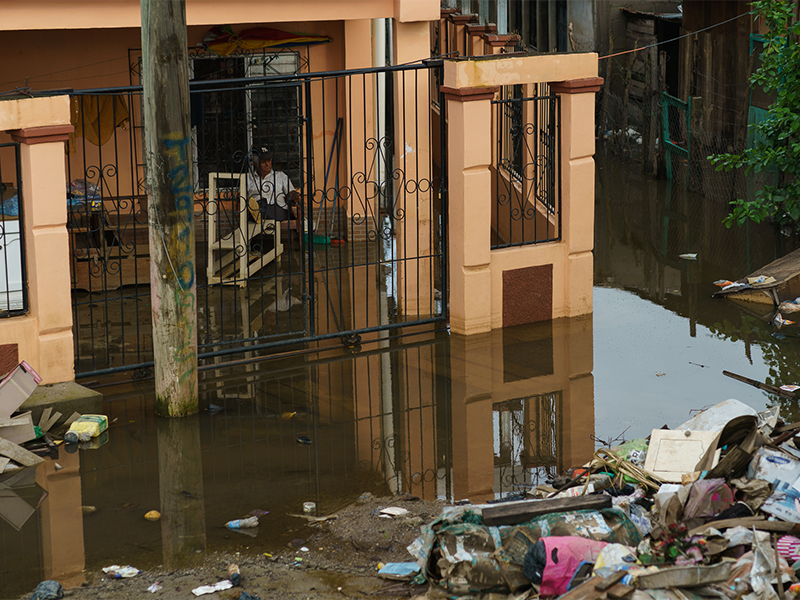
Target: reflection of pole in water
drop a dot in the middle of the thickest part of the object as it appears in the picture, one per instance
(180, 473)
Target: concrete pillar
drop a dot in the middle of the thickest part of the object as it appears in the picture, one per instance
(469, 225)
(413, 209)
(44, 196)
(577, 187)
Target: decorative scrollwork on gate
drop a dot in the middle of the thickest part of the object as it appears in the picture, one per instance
(526, 205)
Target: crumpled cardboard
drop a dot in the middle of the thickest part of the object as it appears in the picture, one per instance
(783, 471)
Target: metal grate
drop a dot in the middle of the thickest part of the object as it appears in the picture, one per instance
(358, 182)
(13, 277)
(527, 197)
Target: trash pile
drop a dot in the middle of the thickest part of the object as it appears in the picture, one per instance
(23, 444)
(702, 511)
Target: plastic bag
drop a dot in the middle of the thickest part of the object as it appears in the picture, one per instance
(762, 571)
(634, 451)
(669, 501)
(708, 498)
(613, 558)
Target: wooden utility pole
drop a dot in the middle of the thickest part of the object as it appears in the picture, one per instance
(170, 211)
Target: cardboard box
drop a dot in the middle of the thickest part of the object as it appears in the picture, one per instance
(17, 387)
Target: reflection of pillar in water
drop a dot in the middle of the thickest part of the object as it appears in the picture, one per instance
(180, 472)
(62, 520)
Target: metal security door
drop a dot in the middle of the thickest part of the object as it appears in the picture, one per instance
(363, 251)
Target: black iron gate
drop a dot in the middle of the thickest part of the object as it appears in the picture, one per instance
(362, 250)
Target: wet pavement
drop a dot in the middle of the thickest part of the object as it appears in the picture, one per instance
(434, 415)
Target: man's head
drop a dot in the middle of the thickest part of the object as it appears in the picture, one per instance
(264, 161)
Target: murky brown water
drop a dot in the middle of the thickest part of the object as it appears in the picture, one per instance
(435, 415)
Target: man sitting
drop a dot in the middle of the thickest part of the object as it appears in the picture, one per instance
(269, 192)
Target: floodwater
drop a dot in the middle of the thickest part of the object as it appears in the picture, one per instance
(434, 415)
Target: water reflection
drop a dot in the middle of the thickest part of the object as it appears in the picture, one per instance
(432, 415)
(180, 474)
(662, 341)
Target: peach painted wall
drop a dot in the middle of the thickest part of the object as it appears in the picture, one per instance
(477, 271)
(101, 14)
(44, 335)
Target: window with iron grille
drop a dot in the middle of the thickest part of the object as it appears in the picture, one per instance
(231, 120)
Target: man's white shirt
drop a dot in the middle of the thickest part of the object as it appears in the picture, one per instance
(273, 188)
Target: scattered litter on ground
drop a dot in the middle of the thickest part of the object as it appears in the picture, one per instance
(118, 572)
(152, 515)
(247, 523)
(154, 588)
(394, 511)
(225, 584)
(692, 256)
(234, 575)
(48, 590)
(400, 571)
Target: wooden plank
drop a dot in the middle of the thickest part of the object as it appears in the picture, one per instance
(519, 512)
(646, 26)
(50, 422)
(19, 454)
(789, 427)
(4, 463)
(585, 591)
(45, 415)
(72, 418)
(637, 89)
(610, 581)
(758, 522)
(619, 591)
(734, 460)
(640, 39)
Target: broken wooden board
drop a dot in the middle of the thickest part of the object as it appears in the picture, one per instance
(512, 513)
(50, 423)
(45, 416)
(72, 418)
(19, 454)
(598, 588)
(735, 460)
(19, 429)
(759, 523)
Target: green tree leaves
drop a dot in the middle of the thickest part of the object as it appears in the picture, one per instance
(777, 145)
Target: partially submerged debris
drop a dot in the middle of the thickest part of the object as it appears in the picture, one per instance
(706, 516)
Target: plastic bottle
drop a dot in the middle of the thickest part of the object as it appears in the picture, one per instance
(242, 523)
(85, 428)
(234, 575)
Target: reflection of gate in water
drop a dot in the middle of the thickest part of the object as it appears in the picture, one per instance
(362, 252)
(527, 440)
